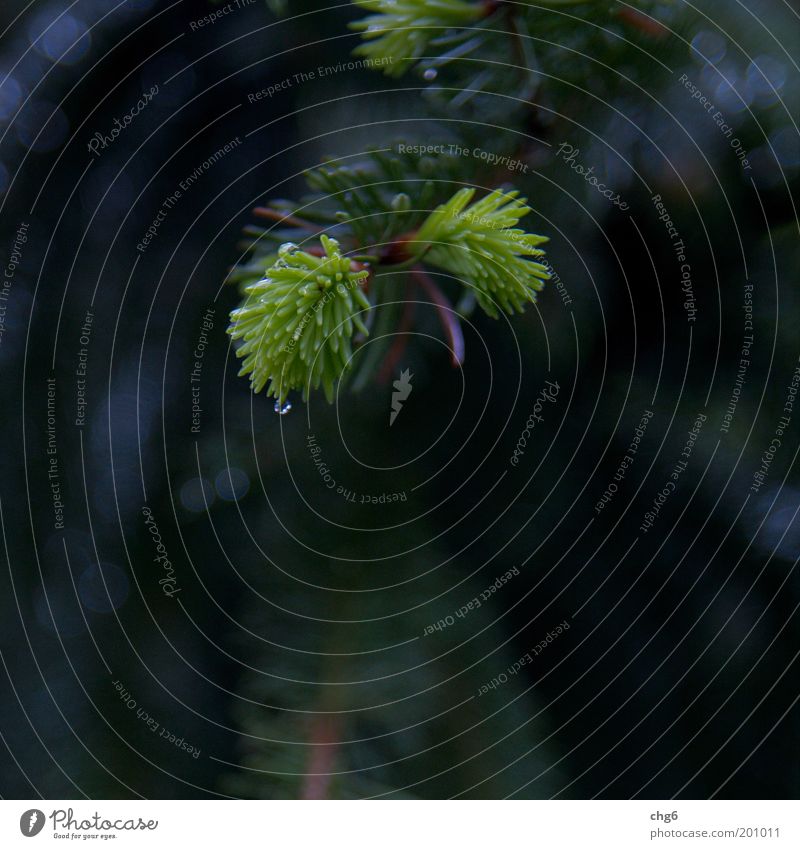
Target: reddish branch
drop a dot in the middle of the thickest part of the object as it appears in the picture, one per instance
(324, 740)
(447, 315)
(398, 251)
(644, 23)
(290, 220)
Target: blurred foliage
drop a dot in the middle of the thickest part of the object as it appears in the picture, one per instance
(674, 644)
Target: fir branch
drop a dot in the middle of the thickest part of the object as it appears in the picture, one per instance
(482, 246)
(301, 308)
(399, 31)
(296, 325)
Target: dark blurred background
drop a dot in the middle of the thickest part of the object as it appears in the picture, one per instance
(293, 640)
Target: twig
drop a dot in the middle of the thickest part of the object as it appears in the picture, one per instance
(325, 733)
(291, 220)
(447, 315)
(644, 23)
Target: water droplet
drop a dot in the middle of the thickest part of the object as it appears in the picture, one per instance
(63, 39)
(787, 150)
(287, 248)
(766, 78)
(282, 409)
(232, 484)
(196, 495)
(430, 74)
(708, 47)
(41, 127)
(103, 589)
(10, 97)
(401, 202)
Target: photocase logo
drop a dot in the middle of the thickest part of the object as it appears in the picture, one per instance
(31, 822)
(402, 389)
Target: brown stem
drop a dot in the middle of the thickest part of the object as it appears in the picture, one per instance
(446, 313)
(326, 729)
(325, 734)
(644, 23)
(291, 220)
(397, 251)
